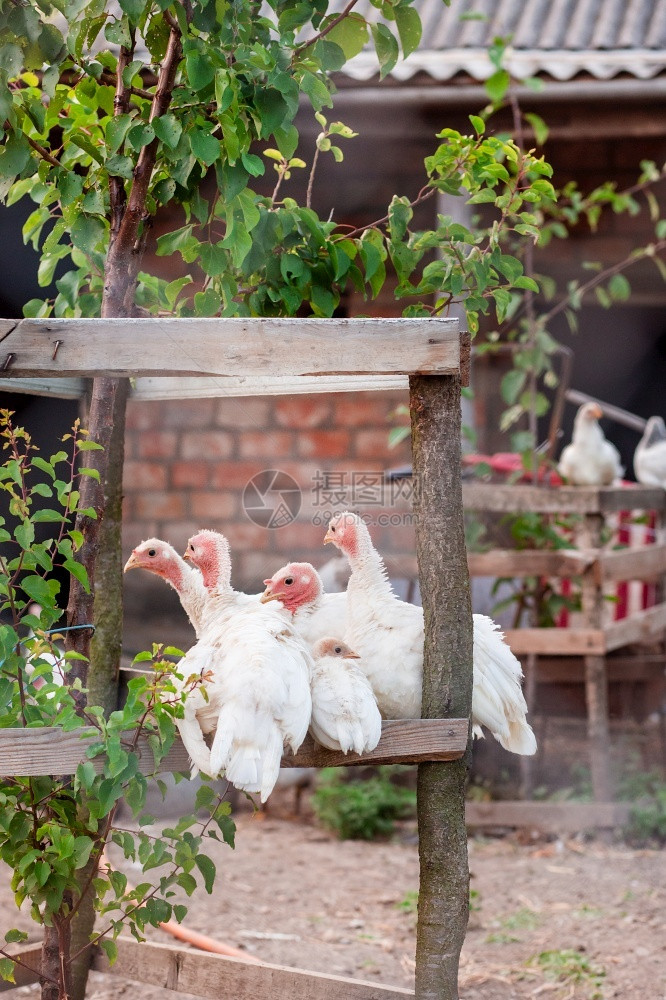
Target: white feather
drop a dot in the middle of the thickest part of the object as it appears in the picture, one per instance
(650, 455)
(590, 460)
(344, 709)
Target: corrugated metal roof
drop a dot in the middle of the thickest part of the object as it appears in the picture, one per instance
(560, 38)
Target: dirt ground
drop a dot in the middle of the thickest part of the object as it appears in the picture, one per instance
(292, 894)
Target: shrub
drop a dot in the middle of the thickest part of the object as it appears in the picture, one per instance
(362, 810)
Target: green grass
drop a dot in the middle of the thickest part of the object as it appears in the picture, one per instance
(571, 968)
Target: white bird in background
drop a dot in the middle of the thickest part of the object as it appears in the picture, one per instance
(160, 558)
(298, 588)
(590, 460)
(41, 652)
(650, 455)
(388, 634)
(259, 676)
(344, 709)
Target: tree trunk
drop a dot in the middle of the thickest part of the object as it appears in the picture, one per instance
(447, 680)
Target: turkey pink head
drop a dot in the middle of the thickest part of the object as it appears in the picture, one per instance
(160, 558)
(296, 585)
(209, 552)
(333, 647)
(348, 532)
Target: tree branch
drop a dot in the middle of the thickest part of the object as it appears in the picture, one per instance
(324, 31)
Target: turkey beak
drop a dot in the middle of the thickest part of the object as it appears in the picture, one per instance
(187, 556)
(268, 595)
(597, 412)
(328, 538)
(353, 656)
(132, 563)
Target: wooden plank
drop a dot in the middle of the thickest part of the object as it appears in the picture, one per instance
(641, 626)
(148, 389)
(555, 817)
(556, 641)
(31, 752)
(529, 562)
(32, 957)
(564, 499)
(173, 968)
(619, 669)
(645, 562)
(59, 388)
(229, 347)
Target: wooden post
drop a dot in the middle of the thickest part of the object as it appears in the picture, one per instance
(596, 682)
(447, 681)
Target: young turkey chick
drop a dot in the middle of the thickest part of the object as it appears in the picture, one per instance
(388, 634)
(650, 455)
(344, 709)
(590, 460)
(260, 675)
(298, 588)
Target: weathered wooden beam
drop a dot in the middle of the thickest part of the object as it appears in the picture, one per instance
(447, 681)
(641, 626)
(60, 388)
(173, 388)
(529, 562)
(550, 817)
(556, 641)
(227, 347)
(645, 562)
(520, 499)
(173, 968)
(31, 752)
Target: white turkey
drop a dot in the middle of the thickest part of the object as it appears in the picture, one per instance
(344, 709)
(389, 633)
(650, 455)
(160, 558)
(298, 588)
(259, 675)
(590, 460)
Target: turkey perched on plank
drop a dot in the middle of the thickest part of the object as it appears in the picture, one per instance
(388, 634)
(260, 675)
(160, 558)
(650, 455)
(298, 588)
(590, 460)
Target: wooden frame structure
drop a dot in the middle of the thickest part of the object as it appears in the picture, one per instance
(596, 566)
(185, 358)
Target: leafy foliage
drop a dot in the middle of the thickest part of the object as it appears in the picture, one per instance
(54, 829)
(361, 810)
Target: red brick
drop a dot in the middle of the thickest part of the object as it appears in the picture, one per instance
(303, 539)
(186, 413)
(157, 444)
(207, 445)
(178, 532)
(250, 569)
(374, 444)
(144, 416)
(213, 505)
(324, 444)
(159, 506)
(136, 532)
(190, 474)
(266, 445)
(366, 409)
(244, 534)
(251, 412)
(303, 411)
(233, 475)
(144, 476)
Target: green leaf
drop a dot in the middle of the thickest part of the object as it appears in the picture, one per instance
(133, 8)
(116, 130)
(37, 589)
(200, 69)
(205, 146)
(538, 126)
(274, 110)
(168, 130)
(140, 135)
(351, 34)
(79, 572)
(120, 166)
(497, 85)
(207, 869)
(253, 164)
(87, 445)
(386, 47)
(88, 232)
(170, 242)
(478, 123)
(15, 155)
(512, 385)
(25, 534)
(207, 303)
(409, 29)
(110, 949)
(15, 936)
(619, 288)
(7, 970)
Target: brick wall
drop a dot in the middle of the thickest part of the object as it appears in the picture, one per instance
(188, 462)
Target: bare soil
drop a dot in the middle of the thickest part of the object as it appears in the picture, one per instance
(292, 894)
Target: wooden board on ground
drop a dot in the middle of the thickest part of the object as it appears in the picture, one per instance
(31, 752)
(550, 817)
(228, 347)
(204, 975)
